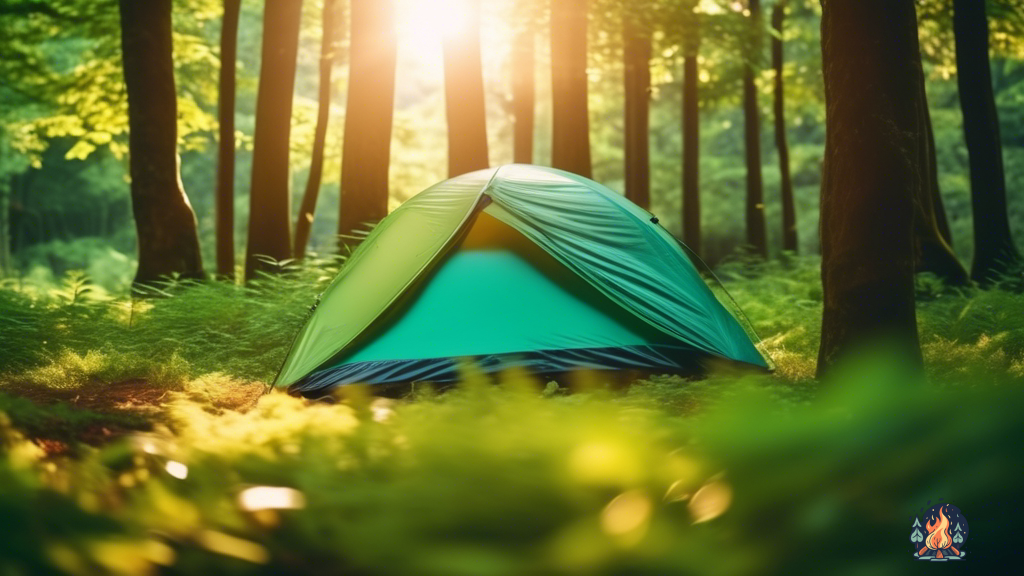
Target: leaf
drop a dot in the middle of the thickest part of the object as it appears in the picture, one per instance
(80, 151)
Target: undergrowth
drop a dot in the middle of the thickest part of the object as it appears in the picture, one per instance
(729, 475)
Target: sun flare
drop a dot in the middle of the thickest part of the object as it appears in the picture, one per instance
(423, 23)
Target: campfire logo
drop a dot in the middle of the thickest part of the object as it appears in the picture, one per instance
(942, 537)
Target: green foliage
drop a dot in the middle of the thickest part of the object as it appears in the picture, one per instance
(733, 474)
(183, 329)
(68, 199)
(502, 480)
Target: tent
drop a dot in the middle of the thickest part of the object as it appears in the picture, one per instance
(521, 266)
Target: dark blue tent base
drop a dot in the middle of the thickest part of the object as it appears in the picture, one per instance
(631, 359)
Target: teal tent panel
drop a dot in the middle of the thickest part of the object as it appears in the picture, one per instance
(495, 301)
(616, 247)
(399, 250)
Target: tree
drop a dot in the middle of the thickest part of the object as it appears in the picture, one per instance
(932, 252)
(464, 93)
(367, 146)
(691, 130)
(523, 94)
(940, 210)
(270, 194)
(166, 225)
(328, 49)
(636, 56)
(916, 535)
(872, 170)
(5, 228)
(789, 238)
(226, 140)
(570, 144)
(756, 228)
(995, 253)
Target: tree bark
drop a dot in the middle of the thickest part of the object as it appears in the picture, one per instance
(691, 141)
(464, 94)
(757, 238)
(995, 253)
(6, 265)
(167, 238)
(872, 169)
(789, 237)
(225, 201)
(636, 55)
(270, 194)
(523, 95)
(328, 49)
(570, 146)
(932, 253)
(939, 208)
(366, 151)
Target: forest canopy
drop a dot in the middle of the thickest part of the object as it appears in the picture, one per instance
(65, 116)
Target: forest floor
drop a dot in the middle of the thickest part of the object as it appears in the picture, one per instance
(144, 429)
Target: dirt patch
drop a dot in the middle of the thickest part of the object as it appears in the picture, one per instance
(135, 396)
(60, 419)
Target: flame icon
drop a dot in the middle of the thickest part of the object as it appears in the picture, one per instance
(938, 538)
(938, 533)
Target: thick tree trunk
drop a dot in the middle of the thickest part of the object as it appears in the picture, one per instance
(994, 250)
(789, 238)
(270, 194)
(166, 225)
(932, 253)
(464, 95)
(570, 145)
(328, 48)
(371, 95)
(757, 238)
(523, 95)
(636, 55)
(872, 169)
(225, 203)
(691, 155)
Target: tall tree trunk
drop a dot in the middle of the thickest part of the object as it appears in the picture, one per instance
(464, 94)
(872, 169)
(636, 55)
(166, 225)
(570, 145)
(756, 229)
(523, 95)
(789, 238)
(6, 265)
(932, 253)
(937, 205)
(994, 250)
(691, 138)
(366, 152)
(270, 194)
(328, 49)
(225, 202)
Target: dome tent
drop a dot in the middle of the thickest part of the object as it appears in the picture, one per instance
(514, 266)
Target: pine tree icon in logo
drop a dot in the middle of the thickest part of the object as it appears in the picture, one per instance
(916, 537)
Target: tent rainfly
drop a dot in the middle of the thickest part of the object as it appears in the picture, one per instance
(518, 266)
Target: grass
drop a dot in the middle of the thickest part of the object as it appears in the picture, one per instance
(733, 474)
